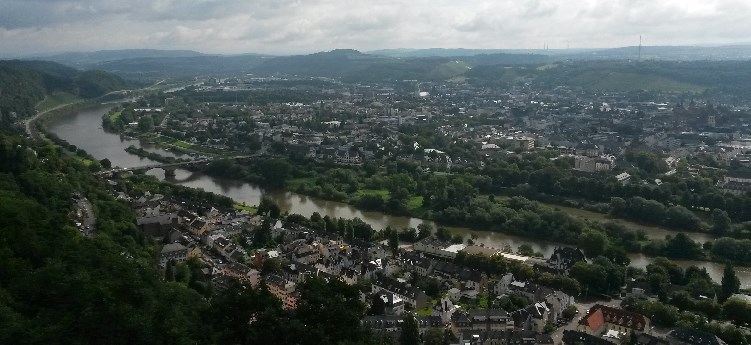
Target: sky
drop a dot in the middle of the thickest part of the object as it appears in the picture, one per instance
(304, 26)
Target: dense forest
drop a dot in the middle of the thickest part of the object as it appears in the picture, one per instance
(23, 84)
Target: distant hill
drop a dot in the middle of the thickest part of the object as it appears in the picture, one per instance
(731, 77)
(436, 64)
(158, 67)
(335, 63)
(678, 53)
(462, 52)
(85, 60)
(674, 53)
(23, 84)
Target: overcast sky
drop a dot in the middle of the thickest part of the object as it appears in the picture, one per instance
(304, 26)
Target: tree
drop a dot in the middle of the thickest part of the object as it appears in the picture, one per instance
(146, 123)
(721, 222)
(526, 250)
(393, 237)
(593, 243)
(106, 163)
(737, 310)
(592, 277)
(730, 283)
(434, 336)
(683, 247)
(262, 236)
(410, 333)
(443, 234)
(569, 313)
(424, 230)
(169, 271)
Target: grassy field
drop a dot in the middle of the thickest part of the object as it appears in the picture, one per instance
(114, 116)
(56, 99)
(243, 207)
(380, 192)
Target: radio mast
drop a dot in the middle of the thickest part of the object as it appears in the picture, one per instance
(639, 48)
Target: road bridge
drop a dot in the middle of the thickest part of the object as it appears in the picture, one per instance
(169, 168)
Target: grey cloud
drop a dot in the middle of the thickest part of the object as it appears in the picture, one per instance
(280, 26)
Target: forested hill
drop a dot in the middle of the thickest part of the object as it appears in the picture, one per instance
(23, 84)
(727, 77)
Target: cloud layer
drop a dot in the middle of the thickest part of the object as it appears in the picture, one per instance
(299, 26)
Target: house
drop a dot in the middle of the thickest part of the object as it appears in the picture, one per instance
(688, 336)
(279, 287)
(393, 323)
(175, 252)
(490, 319)
(532, 318)
(437, 248)
(577, 338)
(198, 226)
(557, 302)
(501, 287)
(562, 259)
(503, 337)
(243, 273)
(393, 305)
(623, 177)
(157, 225)
(601, 319)
(593, 164)
(737, 182)
(413, 297)
(478, 250)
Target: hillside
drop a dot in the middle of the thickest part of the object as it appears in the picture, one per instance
(23, 84)
(86, 60)
(159, 67)
(731, 77)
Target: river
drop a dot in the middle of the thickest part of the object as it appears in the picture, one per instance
(84, 129)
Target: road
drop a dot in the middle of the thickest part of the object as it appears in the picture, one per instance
(88, 219)
(29, 123)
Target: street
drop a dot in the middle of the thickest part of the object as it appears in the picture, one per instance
(87, 219)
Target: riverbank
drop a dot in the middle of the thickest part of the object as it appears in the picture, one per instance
(35, 125)
(84, 130)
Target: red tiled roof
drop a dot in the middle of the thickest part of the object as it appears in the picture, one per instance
(594, 320)
(599, 314)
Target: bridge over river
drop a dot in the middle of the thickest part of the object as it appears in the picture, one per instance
(169, 168)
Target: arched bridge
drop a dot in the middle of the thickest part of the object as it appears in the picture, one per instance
(169, 168)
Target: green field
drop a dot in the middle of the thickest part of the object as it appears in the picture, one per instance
(380, 192)
(243, 207)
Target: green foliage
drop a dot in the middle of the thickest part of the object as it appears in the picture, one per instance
(32, 80)
(721, 222)
(593, 243)
(59, 287)
(730, 283)
(410, 334)
(738, 311)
